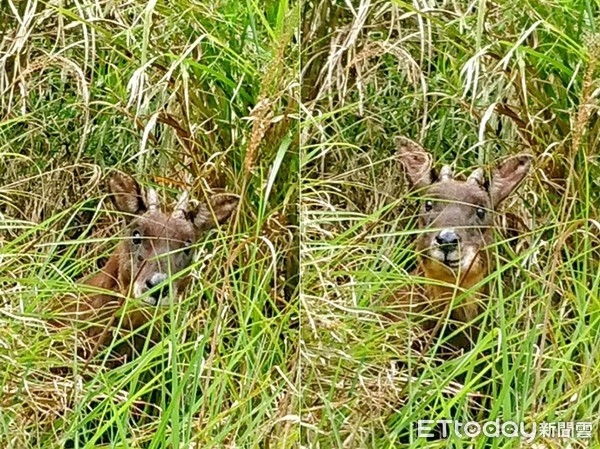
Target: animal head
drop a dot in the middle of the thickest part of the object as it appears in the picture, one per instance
(457, 216)
(158, 244)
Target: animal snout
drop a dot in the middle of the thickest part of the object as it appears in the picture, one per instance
(153, 281)
(447, 240)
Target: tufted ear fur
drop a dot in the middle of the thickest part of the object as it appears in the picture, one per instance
(217, 211)
(507, 176)
(125, 194)
(416, 161)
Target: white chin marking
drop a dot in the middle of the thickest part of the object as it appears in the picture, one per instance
(164, 302)
(138, 293)
(454, 260)
(436, 254)
(137, 289)
(468, 258)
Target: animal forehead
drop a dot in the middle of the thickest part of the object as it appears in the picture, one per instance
(459, 192)
(160, 225)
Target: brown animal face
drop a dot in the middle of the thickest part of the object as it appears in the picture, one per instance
(457, 216)
(158, 244)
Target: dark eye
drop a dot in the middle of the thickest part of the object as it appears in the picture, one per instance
(187, 247)
(428, 205)
(480, 213)
(137, 237)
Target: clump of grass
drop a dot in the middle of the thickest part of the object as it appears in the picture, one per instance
(472, 83)
(166, 92)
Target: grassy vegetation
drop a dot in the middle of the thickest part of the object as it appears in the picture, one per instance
(473, 82)
(181, 94)
(203, 95)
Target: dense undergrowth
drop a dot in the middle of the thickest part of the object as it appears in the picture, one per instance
(191, 95)
(473, 82)
(204, 96)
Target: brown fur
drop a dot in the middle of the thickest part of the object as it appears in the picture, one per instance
(457, 223)
(145, 264)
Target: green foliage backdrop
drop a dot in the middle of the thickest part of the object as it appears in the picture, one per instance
(186, 94)
(473, 82)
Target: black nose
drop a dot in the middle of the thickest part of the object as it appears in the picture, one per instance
(150, 284)
(153, 281)
(448, 240)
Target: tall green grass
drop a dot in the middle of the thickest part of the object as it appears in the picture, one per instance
(180, 94)
(204, 95)
(473, 82)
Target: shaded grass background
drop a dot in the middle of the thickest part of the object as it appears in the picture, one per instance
(473, 82)
(181, 94)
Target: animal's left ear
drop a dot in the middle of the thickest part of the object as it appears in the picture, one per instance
(217, 211)
(126, 195)
(507, 176)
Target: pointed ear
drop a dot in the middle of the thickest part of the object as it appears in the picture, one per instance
(416, 161)
(217, 211)
(125, 194)
(507, 176)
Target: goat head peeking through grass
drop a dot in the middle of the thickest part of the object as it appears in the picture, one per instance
(145, 265)
(456, 221)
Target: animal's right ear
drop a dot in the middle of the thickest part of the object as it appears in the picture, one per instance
(416, 161)
(125, 194)
(216, 212)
